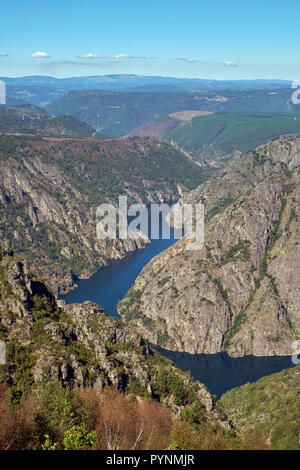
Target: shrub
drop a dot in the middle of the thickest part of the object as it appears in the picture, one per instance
(78, 438)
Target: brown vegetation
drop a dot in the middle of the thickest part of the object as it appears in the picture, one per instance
(117, 421)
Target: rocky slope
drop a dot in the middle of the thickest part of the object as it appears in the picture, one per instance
(50, 189)
(79, 345)
(240, 293)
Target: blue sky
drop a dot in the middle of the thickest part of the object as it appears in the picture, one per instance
(222, 39)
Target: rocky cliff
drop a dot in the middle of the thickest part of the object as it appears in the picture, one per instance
(240, 293)
(79, 345)
(50, 189)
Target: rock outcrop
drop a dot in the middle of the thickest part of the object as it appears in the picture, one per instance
(240, 293)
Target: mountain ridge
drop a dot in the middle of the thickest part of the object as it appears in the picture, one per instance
(29, 119)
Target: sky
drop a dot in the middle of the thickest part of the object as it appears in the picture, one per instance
(221, 39)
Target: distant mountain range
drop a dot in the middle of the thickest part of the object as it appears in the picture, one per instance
(118, 113)
(119, 81)
(40, 90)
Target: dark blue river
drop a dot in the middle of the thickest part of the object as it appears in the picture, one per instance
(220, 372)
(110, 283)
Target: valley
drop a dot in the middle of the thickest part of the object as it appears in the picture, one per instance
(50, 189)
(149, 232)
(196, 333)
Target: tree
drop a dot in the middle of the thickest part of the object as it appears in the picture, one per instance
(79, 438)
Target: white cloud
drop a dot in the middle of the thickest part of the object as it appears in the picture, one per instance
(90, 55)
(3, 54)
(187, 59)
(124, 56)
(39, 55)
(229, 63)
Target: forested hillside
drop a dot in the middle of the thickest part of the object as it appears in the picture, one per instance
(28, 119)
(209, 138)
(271, 404)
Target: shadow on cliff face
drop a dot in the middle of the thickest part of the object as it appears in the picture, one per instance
(220, 372)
